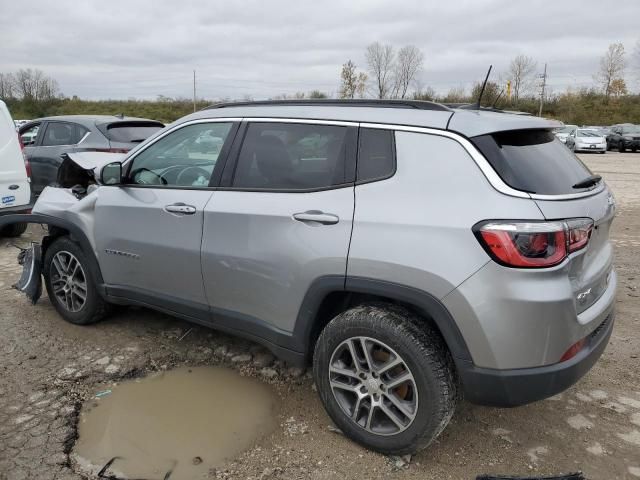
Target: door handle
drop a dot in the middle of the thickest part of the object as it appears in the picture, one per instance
(316, 216)
(182, 208)
(14, 187)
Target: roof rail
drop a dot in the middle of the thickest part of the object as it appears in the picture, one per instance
(357, 102)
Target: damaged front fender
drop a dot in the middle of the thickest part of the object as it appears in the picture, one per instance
(58, 227)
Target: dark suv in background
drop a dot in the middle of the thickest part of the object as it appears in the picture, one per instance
(624, 137)
(46, 140)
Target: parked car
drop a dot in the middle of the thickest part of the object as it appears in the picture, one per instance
(15, 191)
(624, 137)
(19, 123)
(563, 132)
(586, 140)
(47, 139)
(411, 252)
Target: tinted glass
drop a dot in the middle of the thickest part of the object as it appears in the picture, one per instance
(58, 133)
(185, 157)
(131, 132)
(631, 129)
(291, 156)
(376, 157)
(533, 161)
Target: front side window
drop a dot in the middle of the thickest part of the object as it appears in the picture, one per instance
(289, 156)
(186, 157)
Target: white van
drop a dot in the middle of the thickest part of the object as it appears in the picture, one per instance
(15, 191)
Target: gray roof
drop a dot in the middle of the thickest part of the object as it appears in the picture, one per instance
(465, 121)
(95, 119)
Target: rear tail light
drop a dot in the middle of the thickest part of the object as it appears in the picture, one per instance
(27, 165)
(533, 244)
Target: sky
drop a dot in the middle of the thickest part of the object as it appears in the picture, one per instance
(250, 48)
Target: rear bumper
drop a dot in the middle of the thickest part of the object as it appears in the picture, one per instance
(511, 388)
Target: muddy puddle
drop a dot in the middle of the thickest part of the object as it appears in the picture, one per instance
(185, 421)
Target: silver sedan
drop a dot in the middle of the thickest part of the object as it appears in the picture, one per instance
(586, 140)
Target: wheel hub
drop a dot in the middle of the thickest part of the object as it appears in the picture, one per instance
(68, 281)
(373, 385)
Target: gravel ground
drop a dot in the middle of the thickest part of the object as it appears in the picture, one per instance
(48, 367)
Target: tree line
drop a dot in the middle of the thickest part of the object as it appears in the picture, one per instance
(389, 73)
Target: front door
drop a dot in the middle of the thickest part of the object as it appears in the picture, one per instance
(149, 230)
(282, 222)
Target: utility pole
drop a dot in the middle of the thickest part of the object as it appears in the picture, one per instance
(194, 90)
(544, 84)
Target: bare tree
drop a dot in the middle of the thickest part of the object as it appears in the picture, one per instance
(456, 95)
(348, 80)
(7, 85)
(612, 67)
(352, 83)
(408, 63)
(35, 85)
(380, 59)
(521, 74)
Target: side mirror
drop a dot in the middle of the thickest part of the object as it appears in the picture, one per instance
(111, 174)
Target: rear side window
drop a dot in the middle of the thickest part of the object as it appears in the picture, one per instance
(533, 161)
(376, 154)
(62, 133)
(290, 156)
(130, 132)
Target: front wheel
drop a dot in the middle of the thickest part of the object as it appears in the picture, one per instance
(385, 378)
(69, 283)
(14, 230)
(621, 148)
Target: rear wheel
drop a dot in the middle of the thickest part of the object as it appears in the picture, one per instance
(385, 378)
(14, 230)
(69, 283)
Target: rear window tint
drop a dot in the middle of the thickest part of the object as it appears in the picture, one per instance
(533, 161)
(130, 132)
(376, 158)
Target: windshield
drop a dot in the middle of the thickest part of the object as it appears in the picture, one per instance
(589, 133)
(566, 129)
(631, 129)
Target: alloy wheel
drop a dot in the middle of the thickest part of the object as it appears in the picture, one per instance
(373, 385)
(68, 281)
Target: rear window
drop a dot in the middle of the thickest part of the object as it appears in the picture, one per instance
(130, 132)
(533, 161)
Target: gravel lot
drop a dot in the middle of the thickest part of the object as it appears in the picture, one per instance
(48, 367)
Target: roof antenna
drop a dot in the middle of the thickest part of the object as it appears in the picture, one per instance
(484, 84)
(495, 102)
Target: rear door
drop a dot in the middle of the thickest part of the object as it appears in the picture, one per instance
(281, 221)
(14, 184)
(149, 230)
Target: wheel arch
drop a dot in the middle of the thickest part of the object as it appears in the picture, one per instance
(60, 227)
(328, 296)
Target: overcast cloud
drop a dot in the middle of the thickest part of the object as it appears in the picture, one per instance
(144, 48)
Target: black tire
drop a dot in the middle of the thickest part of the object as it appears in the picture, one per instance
(608, 146)
(94, 308)
(634, 149)
(14, 230)
(621, 148)
(426, 357)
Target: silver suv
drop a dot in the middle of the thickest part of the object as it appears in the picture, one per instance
(411, 252)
